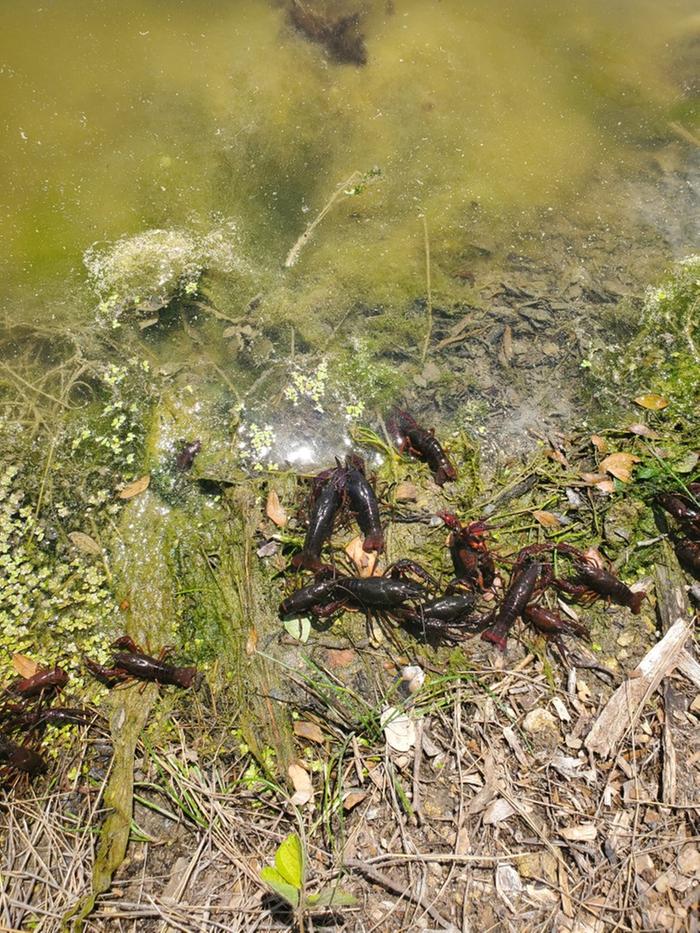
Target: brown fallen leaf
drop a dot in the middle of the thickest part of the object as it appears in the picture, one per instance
(599, 481)
(546, 519)
(652, 402)
(309, 730)
(642, 430)
(134, 489)
(365, 561)
(406, 492)
(620, 465)
(251, 645)
(24, 666)
(585, 832)
(558, 456)
(85, 542)
(339, 657)
(274, 509)
(303, 788)
(352, 798)
(600, 443)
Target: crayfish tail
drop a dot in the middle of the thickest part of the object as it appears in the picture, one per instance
(635, 603)
(495, 638)
(374, 541)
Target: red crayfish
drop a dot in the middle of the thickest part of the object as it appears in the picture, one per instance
(129, 661)
(472, 561)
(423, 445)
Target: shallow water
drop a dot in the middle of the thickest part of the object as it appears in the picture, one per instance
(547, 136)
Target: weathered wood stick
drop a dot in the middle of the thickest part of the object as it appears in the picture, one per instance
(624, 706)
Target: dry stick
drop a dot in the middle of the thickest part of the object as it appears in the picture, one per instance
(397, 888)
(624, 707)
(671, 603)
(429, 291)
(293, 254)
(417, 758)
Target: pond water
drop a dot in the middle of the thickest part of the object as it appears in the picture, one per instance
(549, 145)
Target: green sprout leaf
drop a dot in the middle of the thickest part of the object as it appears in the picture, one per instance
(286, 877)
(282, 888)
(289, 860)
(331, 897)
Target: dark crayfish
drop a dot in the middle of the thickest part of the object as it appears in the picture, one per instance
(327, 500)
(363, 503)
(372, 594)
(133, 662)
(518, 595)
(42, 683)
(21, 719)
(471, 558)
(591, 578)
(20, 758)
(333, 488)
(688, 554)
(447, 618)
(423, 445)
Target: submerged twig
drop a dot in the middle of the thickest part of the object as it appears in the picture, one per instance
(428, 290)
(293, 254)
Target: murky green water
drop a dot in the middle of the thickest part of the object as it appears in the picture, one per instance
(190, 115)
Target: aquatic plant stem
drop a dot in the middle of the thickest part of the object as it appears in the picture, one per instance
(429, 291)
(293, 254)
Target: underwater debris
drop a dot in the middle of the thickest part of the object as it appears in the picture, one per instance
(341, 37)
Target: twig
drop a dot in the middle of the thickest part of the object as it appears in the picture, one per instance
(429, 291)
(417, 758)
(627, 702)
(293, 254)
(396, 888)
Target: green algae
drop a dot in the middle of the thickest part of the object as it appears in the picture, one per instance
(654, 348)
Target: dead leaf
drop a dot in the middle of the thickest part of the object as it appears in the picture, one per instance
(399, 730)
(498, 811)
(274, 510)
(406, 492)
(547, 519)
(85, 542)
(136, 488)
(365, 561)
(600, 443)
(585, 832)
(620, 465)
(558, 456)
(352, 798)
(592, 479)
(642, 430)
(251, 645)
(309, 730)
(652, 402)
(303, 788)
(607, 486)
(24, 666)
(339, 657)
